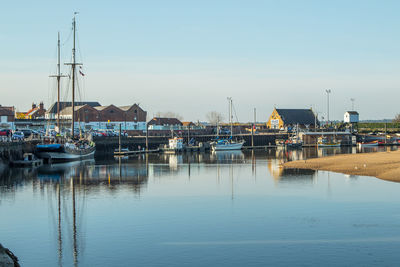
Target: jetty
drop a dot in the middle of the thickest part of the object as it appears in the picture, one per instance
(135, 152)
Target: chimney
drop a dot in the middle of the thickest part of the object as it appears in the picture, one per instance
(33, 105)
(41, 106)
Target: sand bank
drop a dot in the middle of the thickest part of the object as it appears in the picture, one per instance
(383, 165)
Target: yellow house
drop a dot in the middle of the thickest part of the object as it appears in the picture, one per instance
(275, 121)
(281, 118)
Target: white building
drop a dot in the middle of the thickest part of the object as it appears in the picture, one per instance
(351, 116)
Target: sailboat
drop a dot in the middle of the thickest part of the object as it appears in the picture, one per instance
(60, 148)
(227, 144)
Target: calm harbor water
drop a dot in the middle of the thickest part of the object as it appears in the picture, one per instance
(224, 209)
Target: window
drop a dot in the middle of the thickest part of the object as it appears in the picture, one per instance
(111, 111)
(135, 111)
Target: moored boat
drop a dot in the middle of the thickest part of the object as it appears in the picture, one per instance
(62, 148)
(228, 143)
(368, 144)
(68, 151)
(324, 142)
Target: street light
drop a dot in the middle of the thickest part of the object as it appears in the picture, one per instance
(328, 91)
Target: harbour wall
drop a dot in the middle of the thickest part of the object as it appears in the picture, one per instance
(15, 150)
(107, 145)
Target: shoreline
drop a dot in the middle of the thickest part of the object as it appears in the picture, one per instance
(382, 165)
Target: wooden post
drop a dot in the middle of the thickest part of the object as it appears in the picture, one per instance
(385, 133)
(252, 135)
(253, 128)
(119, 141)
(147, 136)
(188, 134)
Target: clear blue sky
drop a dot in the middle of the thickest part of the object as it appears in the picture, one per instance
(188, 56)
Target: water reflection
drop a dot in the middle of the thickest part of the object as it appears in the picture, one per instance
(69, 187)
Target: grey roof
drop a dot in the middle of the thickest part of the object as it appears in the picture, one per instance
(68, 110)
(64, 104)
(126, 108)
(164, 121)
(101, 107)
(352, 112)
(294, 116)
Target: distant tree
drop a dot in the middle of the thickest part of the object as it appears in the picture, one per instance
(397, 118)
(169, 114)
(214, 117)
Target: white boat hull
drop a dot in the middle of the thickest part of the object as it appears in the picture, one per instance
(227, 146)
(368, 145)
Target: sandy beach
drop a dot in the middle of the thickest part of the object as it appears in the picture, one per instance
(383, 165)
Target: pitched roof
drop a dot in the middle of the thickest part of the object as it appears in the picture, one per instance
(32, 111)
(68, 110)
(164, 121)
(187, 123)
(126, 108)
(352, 112)
(294, 116)
(101, 107)
(53, 108)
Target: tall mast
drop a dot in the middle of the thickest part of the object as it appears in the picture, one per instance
(230, 114)
(73, 65)
(58, 76)
(73, 81)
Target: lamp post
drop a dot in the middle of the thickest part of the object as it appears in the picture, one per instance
(328, 91)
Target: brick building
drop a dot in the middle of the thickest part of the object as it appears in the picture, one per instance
(107, 117)
(51, 113)
(36, 112)
(7, 117)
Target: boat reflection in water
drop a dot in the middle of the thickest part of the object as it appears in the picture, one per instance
(79, 197)
(68, 185)
(234, 156)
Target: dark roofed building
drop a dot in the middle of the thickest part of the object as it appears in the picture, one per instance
(106, 117)
(281, 118)
(52, 111)
(157, 123)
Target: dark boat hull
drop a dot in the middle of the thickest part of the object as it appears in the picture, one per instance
(64, 154)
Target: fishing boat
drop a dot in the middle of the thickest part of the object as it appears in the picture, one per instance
(175, 145)
(63, 148)
(324, 142)
(227, 143)
(295, 140)
(368, 144)
(294, 143)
